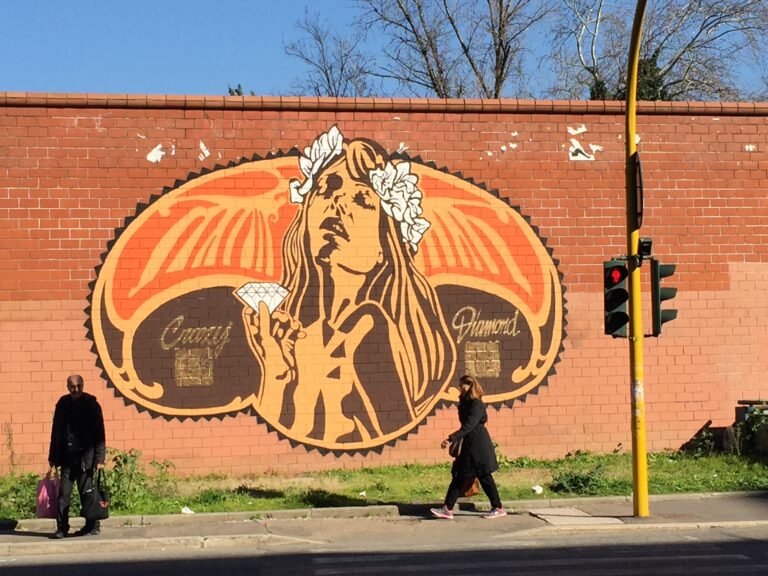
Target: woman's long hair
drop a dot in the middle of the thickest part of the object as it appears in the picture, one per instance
(424, 354)
(475, 391)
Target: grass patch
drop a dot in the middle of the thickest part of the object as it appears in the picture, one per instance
(157, 490)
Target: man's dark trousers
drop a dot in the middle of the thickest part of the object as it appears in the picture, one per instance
(71, 473)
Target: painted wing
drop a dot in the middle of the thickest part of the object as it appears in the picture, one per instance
(476, 235)
(216, 232)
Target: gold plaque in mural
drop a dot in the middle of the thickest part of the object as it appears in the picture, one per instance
(336, 293)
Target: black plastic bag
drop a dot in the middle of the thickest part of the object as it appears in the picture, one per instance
(454, 447)
(96, 500)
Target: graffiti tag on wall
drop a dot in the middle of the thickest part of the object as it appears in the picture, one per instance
(335, 293)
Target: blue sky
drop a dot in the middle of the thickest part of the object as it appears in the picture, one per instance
(151, 46)
(159, 46)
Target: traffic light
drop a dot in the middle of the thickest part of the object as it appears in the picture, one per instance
(615, 292)
(659, 294)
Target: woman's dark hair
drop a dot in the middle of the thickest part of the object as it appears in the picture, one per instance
(475, 390)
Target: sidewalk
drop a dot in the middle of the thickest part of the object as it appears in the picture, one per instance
(306, 528)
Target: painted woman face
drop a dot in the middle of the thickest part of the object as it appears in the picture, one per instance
(343, 221)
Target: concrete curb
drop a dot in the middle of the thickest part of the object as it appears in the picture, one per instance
(657, 526)
(49, 525)
(562, 502)
(92, 546)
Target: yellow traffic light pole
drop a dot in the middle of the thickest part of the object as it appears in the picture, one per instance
(639, 456)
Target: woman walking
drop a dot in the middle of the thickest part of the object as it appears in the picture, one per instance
(477, 457)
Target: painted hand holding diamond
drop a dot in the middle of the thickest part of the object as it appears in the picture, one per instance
(254, 293)
(272, 336)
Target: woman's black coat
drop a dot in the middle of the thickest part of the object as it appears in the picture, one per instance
(477, 457)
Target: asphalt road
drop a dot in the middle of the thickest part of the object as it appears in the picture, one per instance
(534, 552)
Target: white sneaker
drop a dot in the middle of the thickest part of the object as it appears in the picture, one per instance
(495, 513)
(442, 512)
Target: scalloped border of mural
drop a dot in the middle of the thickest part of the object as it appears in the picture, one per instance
(250, 411)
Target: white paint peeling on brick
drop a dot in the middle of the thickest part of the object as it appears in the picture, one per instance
(402, 148)
(750, 147)
(576, 151)
(511, 145)
(204, 152)
(156, 154)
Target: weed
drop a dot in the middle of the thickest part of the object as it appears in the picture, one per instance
(9, 444)
(128, 481)
(18, 495)
(590, 482)
(754, 431)
(702, 444)
(500, 457)
(211, 497)
(524, 462)
(586, 482)
(163, 481)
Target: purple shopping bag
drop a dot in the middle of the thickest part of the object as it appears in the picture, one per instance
(48, 496)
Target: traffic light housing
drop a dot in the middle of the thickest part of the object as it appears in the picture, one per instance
(615, 292)
(660, 271)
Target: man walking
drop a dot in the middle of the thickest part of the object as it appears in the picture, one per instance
(78, 447)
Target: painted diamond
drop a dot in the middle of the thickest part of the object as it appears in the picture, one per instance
(271, 293)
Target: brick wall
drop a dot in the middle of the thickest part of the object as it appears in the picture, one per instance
(73, 167)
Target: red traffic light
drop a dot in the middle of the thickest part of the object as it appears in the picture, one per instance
(615, 295)
(615, 273)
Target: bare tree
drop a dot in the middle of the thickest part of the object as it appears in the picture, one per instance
(454, 48)
(336, 64)
(443, 48)
(420, 55)
(691, 49)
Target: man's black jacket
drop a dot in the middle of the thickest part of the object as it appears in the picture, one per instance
(78, 430)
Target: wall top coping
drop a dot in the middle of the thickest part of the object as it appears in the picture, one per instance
(324, 104)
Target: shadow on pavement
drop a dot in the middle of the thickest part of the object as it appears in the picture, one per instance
(8, 524)
(23, 533)
(742, 556)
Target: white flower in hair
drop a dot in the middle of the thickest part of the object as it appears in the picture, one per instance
(316, 157)
(401, 199)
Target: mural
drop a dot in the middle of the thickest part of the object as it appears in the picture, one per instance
(335, 293)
